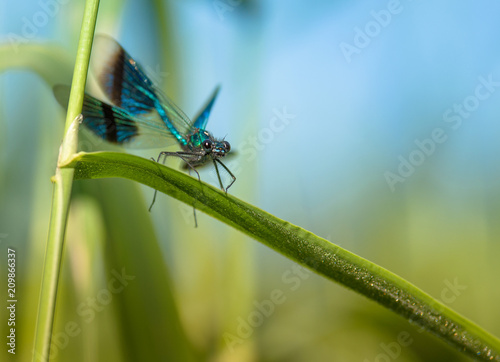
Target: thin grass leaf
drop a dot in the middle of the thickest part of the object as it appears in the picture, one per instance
(63, 180)
(315, 253)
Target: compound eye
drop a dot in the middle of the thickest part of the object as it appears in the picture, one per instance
(207, 144)
(227, 146)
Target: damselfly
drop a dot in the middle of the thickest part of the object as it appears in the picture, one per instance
(141, 116)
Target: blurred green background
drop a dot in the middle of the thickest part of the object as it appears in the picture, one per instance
(390, 149)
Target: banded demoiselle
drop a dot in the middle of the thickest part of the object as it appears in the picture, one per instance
(141, 116)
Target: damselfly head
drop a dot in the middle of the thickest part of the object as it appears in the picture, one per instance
(215, 148)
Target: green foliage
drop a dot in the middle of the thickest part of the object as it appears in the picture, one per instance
(299, 245)
(157, 315)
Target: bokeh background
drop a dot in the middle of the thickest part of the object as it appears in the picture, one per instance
(361, 85)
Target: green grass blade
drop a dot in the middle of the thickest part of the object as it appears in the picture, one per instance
(62, 190)
(301, 246)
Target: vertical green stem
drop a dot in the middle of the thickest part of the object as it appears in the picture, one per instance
(63, 180)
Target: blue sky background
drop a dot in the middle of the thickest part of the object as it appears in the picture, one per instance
(353, 118)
